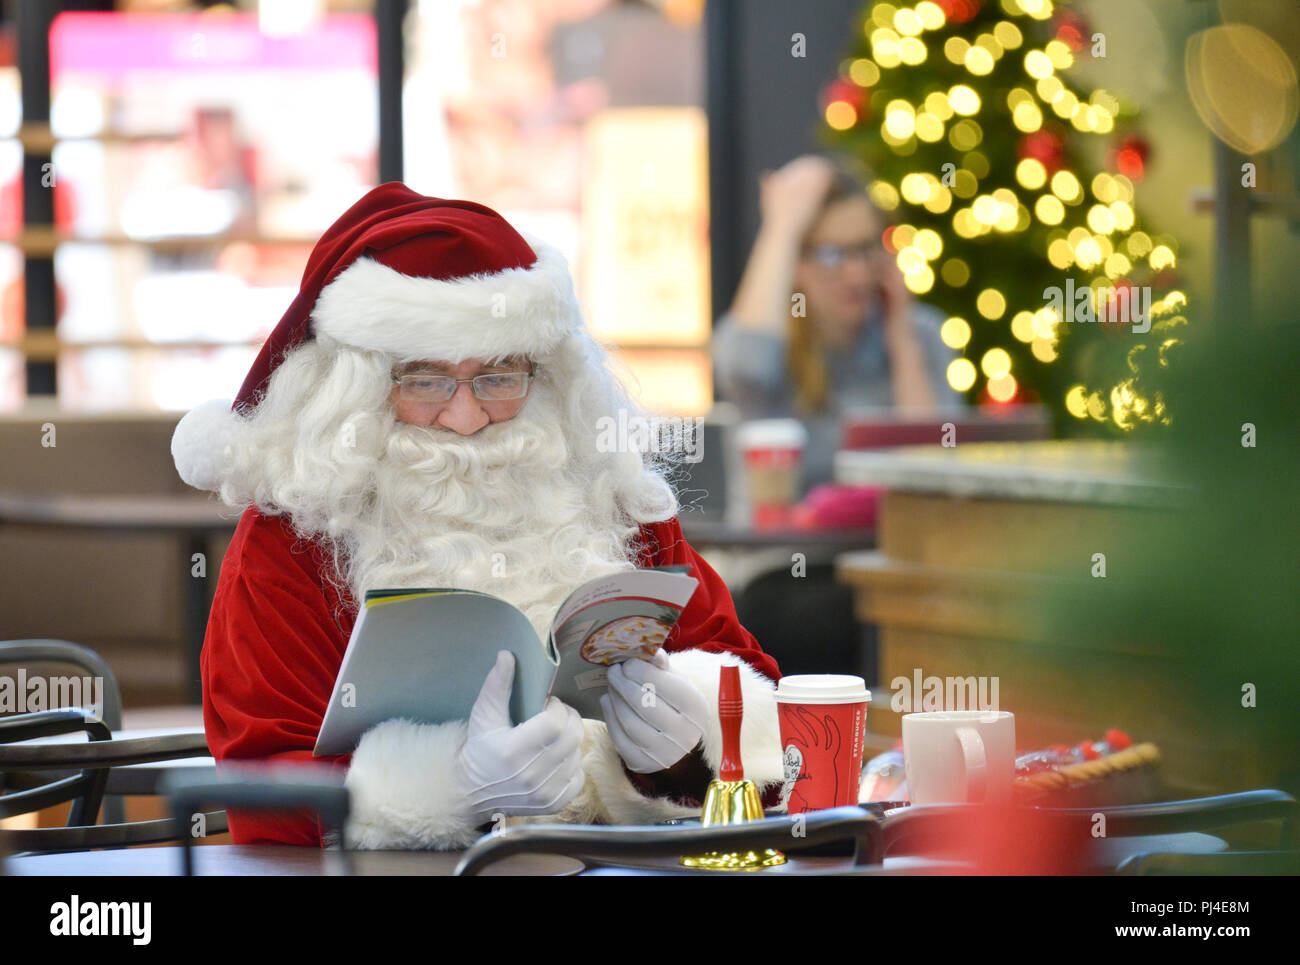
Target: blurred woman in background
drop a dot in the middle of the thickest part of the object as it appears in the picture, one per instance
(822, 322)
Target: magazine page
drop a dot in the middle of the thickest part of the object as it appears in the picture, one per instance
(423, 655)
(609, 620)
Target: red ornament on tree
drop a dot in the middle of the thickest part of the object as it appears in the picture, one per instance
(842, 89)
(1045, 147)
(1071, 29)
(1131, 157)
(959, 11)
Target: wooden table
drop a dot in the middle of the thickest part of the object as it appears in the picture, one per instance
(261, 859)
(198, 518)
(979, 544)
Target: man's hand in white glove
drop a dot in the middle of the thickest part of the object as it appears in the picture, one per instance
(655, 717)
(533, 768)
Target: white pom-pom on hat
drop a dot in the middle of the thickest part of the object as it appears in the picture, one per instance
(201, 443)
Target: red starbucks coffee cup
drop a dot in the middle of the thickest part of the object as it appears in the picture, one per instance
(823, 720)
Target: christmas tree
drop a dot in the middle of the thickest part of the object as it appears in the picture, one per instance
(986, 157)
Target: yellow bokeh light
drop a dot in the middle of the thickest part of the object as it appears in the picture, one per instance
(1123, 215)
(1038, 9)
(964, 100)
(911, 51)
(991, 303)
(955, 333)
(1065, 104)
(916, 189)
(920, 282)
(964, 223)
(954, 48)
(937, 104)
(1103, 188)
(1031, 174)
(883, 195)
(976, 163)
(1038, 64)
(1008, 34)
(908, 22)
(979, 61)
(1060, 254)
(961, 374)
(940, 199)
(1045, 322)
(986, 209)
(931, 15)
(1100, 219)
(1049, 89)
(903, 236)
(964, 184)
(910, 260)
(1117, 266)
(1066, 187)
(1059, 54)
(928, 243)
(929, 128)
(882, 15)
(1138, 244)
(841, 115)
(1027, 117)
(1162, 256)
(1003, 389)
(1049, 210)
(1022, 326)
(1043, 350)
(965, 135)
(864, 72)
(1076, 402)
(996, 363)
(1088, 254)
(955, 272)
(900, 121)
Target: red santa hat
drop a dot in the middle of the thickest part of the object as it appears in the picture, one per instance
(413, 276)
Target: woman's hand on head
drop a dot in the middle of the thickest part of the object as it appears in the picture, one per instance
(791, 197)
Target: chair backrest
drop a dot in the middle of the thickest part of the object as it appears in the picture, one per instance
(1217, 863)
(15, 652)
(784, 833)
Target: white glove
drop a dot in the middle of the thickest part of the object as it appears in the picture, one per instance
(534, 768)
(655, 717)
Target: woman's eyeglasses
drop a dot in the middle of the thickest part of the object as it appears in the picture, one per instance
(832, 256)
(493, 387)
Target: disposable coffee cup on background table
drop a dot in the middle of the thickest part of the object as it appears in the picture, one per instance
(771, 451)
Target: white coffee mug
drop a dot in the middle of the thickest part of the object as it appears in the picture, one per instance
(959, 756)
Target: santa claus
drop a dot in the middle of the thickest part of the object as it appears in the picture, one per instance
(426, 414)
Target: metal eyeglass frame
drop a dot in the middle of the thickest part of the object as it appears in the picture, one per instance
(529, 376)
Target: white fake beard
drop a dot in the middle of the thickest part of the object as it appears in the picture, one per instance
(496, 512)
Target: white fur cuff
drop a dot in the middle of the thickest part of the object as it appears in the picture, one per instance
(404, 791)
(760, 743)
(760, 732)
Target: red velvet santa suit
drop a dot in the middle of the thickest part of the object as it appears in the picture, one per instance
(401, 275)
(274, 646)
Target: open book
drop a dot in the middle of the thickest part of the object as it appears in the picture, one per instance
(424, 654)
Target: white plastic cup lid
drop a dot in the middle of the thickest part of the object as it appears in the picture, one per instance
(772, 433)
(822, 688)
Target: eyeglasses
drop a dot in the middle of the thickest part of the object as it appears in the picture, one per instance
(832, 256)
(493, 387)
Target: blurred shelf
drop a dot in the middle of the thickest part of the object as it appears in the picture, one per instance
(45, 346)
(41, 139)
(41, 242)
(1204, 201)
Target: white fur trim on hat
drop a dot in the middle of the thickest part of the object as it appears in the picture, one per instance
(201, 440)
(525, 311)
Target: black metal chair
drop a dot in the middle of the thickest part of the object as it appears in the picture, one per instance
(93, 761)
(254, 787)
(65, 653)
(787, 833)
